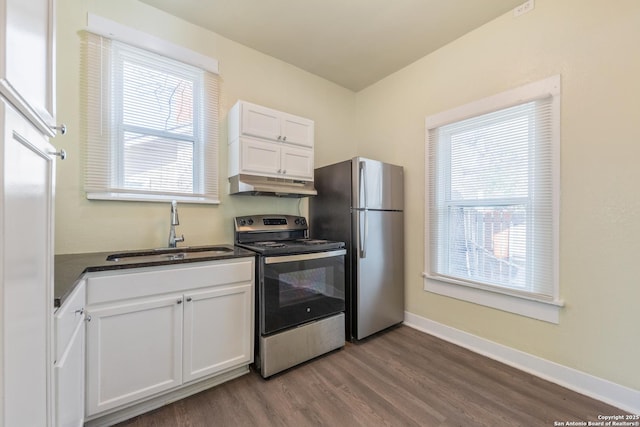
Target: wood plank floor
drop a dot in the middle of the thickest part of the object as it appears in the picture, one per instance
(401, 377)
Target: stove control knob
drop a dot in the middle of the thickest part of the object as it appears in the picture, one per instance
(297, 221)
(243, 222)
(250, 221)
(303, 221)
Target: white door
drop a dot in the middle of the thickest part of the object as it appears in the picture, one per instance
(297, 163)
(218, 330)
(297, 130)
(134, 350)
(260, 121)
(28, 57)
(26, 271)
(259, 157)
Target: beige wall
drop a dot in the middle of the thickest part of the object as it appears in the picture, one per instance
(594, 46)
(86, 226)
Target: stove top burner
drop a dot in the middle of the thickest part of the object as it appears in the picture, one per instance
(279, 235)
(270, 244)
(291, 246)
(312, 241)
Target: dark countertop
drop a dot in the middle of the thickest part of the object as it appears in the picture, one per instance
(70, 268)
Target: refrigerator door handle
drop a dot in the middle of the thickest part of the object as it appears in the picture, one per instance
(362, 188)
(363, 183)
(363, 234)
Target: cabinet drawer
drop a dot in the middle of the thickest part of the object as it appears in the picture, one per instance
(68, 317)
(140, 282)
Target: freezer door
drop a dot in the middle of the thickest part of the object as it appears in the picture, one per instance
(379, 271)
(377, 185)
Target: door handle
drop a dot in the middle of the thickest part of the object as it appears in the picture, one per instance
(364, 230)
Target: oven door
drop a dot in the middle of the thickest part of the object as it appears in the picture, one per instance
(295, 289)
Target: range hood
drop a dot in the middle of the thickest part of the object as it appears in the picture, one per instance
(250, 185)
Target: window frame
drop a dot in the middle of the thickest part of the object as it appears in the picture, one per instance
(205, 187)
(120, 54)
(523, 303)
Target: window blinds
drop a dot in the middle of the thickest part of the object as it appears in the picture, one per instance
(490, 200)
(151, 125)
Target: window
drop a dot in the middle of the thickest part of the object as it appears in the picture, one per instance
(492, 207)
(151, 125)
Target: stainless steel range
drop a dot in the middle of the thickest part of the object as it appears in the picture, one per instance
(300, 289)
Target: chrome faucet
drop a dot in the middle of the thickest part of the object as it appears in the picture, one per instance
(173, 239)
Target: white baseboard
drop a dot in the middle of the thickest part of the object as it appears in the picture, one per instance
(606, 391)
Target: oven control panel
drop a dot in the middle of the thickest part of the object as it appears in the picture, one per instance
(257, 223)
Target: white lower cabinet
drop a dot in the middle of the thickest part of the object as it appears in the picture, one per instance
(213, 317)
(68, 369)
(134, 350)
(153, 331)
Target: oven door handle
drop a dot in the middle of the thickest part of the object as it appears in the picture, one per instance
(303, 257)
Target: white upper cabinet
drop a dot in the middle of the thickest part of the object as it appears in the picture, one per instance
(264, 158)
(297, 130)
(262, 122)
(27, 60)
(270, 143)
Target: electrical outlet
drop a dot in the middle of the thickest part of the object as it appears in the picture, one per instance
(524, 8)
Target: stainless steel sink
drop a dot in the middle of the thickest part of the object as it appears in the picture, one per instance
(169, 254)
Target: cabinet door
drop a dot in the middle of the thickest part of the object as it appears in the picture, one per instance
(297, 130)
(69, 382)
(69, 360)
(259, 157)
(134, 350)
(28, 58)
(218, 330)
(26, 269)
(297, 163)
(260, 121)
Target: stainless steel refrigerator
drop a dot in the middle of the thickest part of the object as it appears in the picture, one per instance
(361, 201)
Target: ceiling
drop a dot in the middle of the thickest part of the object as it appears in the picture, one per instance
(353, 43)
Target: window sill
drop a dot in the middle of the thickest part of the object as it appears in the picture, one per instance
(157, 198)
(548, 311)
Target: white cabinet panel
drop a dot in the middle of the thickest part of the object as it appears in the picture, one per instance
(275, 160)
(218, 330)
(260, 121)
(26, 271)
(69, 360)
(259, 157)
(297, 130)
(134, 350)
(250, 119)
(28, 58)
(297, 163)
(69, 382)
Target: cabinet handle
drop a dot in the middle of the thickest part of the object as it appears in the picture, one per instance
(80, 312)
(188, 299)
(284, 139)
(279, 137)
(284, 171)
(62, 128)
(88, 318)
(62, 153)
(279, 170)
(179, 301)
